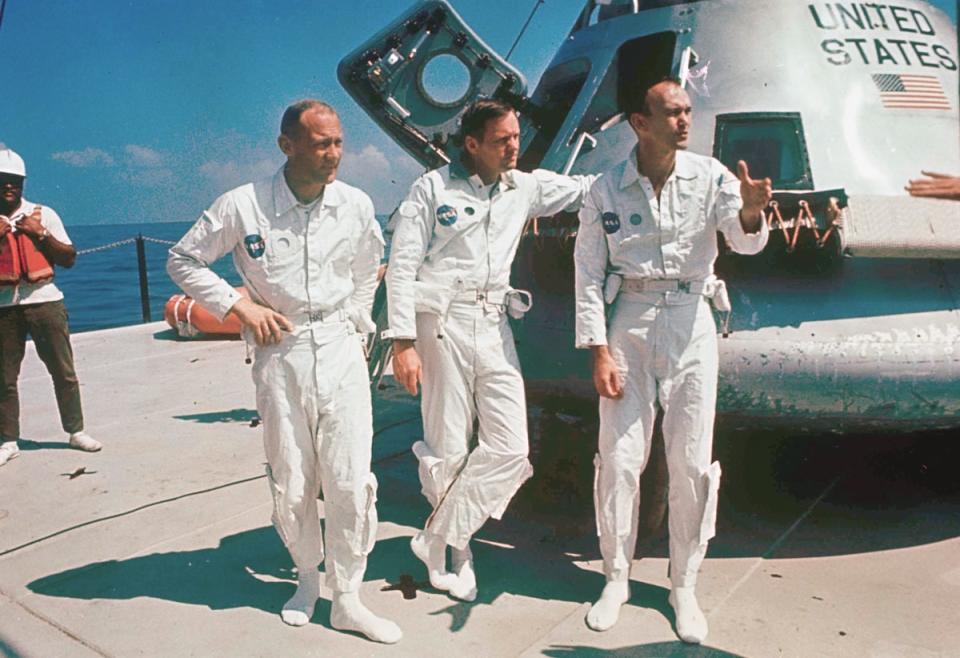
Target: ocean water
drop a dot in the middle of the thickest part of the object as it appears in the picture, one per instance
(102, 290)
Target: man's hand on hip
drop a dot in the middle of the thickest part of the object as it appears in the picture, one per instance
(606, 375)
(267, 325)
(407, 368)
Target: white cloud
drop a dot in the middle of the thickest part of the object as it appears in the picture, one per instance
(147, 177)
(142, 156)
(385, 179)
(88, 157)
(227, 174)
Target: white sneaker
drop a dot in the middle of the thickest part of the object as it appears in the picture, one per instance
(8, 450)
(85, 442)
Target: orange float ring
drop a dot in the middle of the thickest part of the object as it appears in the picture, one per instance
(188, 318)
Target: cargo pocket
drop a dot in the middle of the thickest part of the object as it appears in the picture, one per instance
(710, 487)
(596, 492)
(283, 518)
(366, 535)
(430, 469)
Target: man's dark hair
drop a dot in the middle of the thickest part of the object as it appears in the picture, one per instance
(635, 96)
(290, 122)
(473, 122)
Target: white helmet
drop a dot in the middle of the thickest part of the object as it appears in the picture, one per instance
(11, 163)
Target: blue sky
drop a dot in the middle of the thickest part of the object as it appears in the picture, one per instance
(147, 110)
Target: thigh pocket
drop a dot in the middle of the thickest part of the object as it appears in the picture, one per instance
(365, 535)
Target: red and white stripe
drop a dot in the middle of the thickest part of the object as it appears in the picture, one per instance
(920, 92)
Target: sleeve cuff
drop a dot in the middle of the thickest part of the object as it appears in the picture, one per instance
(227, 301)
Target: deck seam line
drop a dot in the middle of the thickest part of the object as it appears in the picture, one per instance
(773, 547)
(100, 366)
(155, 503)
(49, 622)
(536, 641)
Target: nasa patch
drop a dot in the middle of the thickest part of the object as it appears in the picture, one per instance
(446, 215)
(611, 222)
(255, 245)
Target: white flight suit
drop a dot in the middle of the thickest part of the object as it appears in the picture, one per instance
(663, 341)
(317, 266)
(448, 284)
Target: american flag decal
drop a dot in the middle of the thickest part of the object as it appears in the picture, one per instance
(919, 92)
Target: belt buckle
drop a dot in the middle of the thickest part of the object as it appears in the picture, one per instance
(481, 296)
(316, 316)
(683, 286)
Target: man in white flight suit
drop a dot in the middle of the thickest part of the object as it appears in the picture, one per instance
(307, 248)
(448, 289)
(648, 231)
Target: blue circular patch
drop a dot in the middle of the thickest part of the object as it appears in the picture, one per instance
(255, 245)
(611, 222)
(469, 210)
(635, 219)
(446, 215)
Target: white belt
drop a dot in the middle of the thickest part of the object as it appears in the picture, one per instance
(495, 297)
(665, 285)
(331, 316)
(712, 288)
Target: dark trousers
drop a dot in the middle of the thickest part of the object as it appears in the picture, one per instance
(46, 323)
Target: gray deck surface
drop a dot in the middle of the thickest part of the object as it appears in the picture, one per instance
(826, 546)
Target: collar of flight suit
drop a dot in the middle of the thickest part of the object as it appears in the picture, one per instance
(284, 200)
(683, 168)
(458, 170)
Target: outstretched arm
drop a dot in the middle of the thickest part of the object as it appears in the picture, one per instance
(938, 186)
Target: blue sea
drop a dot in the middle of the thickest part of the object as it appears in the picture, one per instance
(102, 290)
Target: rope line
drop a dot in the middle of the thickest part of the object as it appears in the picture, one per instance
(159, 241)
(120, 243)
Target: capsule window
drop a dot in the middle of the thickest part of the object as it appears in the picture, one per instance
(771, 143)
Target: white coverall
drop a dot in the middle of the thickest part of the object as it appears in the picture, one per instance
(447, 286)
(317, 266)
(663, 342)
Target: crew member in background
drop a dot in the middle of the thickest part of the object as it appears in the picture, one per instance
(646, 246)
(308, 248)
(32, 242)
(937, 186)
(448, 289)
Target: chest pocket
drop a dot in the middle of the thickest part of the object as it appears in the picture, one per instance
(691, 210)
(284, 251)
(635, 232)
(454, 223)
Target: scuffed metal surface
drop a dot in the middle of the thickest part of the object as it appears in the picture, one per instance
(877, 370)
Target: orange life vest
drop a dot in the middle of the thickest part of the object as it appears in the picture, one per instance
(20, 259)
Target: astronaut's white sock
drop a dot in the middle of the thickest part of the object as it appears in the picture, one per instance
(432, 551)
(299, 609)
(465, 587)
(349, 614)
(459, 556)
(691, 623)
(604, 613)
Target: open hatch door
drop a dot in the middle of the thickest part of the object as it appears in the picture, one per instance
(416, 76)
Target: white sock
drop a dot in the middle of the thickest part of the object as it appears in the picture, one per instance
(299, 609)
(465, 588)
(349, 614)
(431, 550)
(691, 623)
(458, 557)
(605, 612)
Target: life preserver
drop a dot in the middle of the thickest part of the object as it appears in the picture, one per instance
(20, 259)
(189, 319)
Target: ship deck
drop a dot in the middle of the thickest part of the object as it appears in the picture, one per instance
(162, 546)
